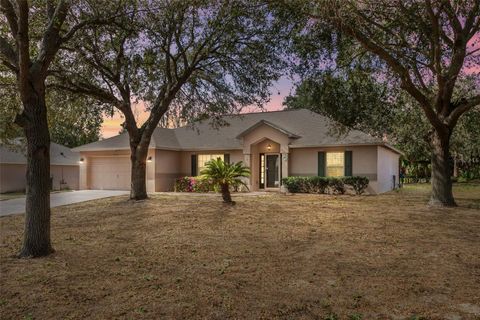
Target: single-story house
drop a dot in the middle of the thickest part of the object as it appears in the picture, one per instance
(64, 168)
(273, 144)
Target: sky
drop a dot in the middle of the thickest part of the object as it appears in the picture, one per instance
(279, 90)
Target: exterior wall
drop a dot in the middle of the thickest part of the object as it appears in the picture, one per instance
(304, 162)
(12, 177)
(69, 175)
(388, 166)
(167, 169)
(186, 158)
(262, 132)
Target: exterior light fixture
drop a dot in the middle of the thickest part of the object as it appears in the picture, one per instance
(269, 147)
(149, 159)
(81, 160)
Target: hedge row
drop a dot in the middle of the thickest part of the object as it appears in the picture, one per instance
(330, 185)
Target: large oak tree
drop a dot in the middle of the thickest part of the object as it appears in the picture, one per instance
(426, 46)
(31, 34)
(195, 58)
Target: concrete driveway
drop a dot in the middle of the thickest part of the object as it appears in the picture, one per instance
(17, 206)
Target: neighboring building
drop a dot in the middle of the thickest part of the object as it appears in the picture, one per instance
(64, 169)
(273, 144)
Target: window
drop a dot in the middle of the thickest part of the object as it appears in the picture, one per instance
(335, 164)
(204, 158)
(262, 169)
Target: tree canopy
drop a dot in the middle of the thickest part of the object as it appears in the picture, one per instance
(191, 59)
(423, 48)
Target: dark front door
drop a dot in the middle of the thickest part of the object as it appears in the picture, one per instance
(273, 170)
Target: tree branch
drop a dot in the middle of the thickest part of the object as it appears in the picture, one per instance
(9, 12)
(463, 106)
(51, 40)
(8, 54)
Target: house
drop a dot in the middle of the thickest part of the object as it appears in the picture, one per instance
(64, 168)
(273, 144)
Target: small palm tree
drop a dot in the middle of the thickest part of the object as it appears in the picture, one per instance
(224, 175)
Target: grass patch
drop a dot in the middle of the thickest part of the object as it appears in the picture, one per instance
(269, 257)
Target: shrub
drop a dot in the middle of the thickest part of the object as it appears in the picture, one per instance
(317, 184)
(331, 185)
(193, 184)
(295, 184)
(336, 185)
(359, 184)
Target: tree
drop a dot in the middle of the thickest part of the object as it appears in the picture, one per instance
(31, 34)
(72, 120)
(224, 175)
(427, 47)
(351, 97)
(200, 58)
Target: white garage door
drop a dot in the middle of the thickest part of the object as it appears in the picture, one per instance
(110, 173)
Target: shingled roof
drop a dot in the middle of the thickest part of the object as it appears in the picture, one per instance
(306, 128)
(59, 155)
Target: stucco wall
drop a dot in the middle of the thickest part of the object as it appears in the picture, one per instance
(388, 166)
(262, 132)
(69, 175)
(186, 158)
(12, 177)
(167, 169)
(304, 162)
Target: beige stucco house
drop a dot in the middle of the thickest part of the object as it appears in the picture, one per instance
(64, 168)
(273, 144)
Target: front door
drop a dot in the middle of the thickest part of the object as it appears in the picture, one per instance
(273, 170)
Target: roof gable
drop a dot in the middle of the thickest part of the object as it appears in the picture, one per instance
(267, 123)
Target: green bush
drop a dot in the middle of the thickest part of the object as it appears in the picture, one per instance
(336, 185)
(359, 184)
(295, 184)
(317, 184)
(331, 185)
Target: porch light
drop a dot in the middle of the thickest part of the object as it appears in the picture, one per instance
(149, 159)
(81, 160)
(269, 147)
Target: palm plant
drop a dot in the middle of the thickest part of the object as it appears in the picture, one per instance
(224, 175)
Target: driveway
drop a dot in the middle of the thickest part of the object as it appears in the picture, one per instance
(17, 206)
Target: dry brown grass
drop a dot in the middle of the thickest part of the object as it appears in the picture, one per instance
(268, 257)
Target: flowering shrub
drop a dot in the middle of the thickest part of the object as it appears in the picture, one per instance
(193, 184)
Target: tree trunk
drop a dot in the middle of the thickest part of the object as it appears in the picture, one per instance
(139, 152)
(226, 193)
(441, 173)
(36, 241)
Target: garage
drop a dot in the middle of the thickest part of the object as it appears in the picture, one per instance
(110, 173)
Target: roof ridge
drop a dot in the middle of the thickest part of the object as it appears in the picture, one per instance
(241, 115)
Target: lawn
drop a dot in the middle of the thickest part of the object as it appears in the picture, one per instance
(268, 257)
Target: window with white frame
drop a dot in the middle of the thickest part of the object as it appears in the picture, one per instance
(204, 158)
(335, 164)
